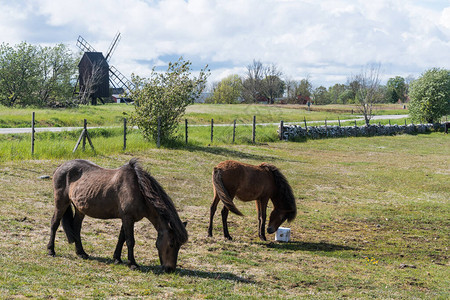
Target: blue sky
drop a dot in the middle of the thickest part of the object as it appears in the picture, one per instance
(325, 41)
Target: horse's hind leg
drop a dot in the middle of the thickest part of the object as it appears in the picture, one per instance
(226, 234)
(60, 209)
(77, 222)
(118, 252)
(212, 211)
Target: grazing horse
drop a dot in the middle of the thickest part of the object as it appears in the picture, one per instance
(247, 182)
(128, 193)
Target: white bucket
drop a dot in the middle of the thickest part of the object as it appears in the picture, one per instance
(283, 234)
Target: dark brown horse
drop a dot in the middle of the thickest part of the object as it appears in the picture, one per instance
(128, 193)
(247, 182)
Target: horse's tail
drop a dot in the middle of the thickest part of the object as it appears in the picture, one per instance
(284, 191)
(223, 193)
(67, 223)
(155, 194)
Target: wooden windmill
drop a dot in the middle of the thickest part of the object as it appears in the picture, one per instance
(96, 75)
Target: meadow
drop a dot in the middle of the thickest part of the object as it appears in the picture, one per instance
(372, 223)
(107, 123)
(113, 114)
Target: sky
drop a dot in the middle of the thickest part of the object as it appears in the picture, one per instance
(325, 41)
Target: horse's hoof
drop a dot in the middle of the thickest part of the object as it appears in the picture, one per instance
(117, 261)
(133, 267)
(263, 238)
(229, 238)
(51, 253)
(83, 255)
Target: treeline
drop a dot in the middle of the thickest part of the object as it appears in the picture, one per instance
(264, 83)
(37, 76)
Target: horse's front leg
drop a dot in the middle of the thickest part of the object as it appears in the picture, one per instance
(262, 214)
(128, 228)
(119, 246)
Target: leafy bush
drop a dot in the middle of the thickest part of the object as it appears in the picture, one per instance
(430, 96)
(165, 96)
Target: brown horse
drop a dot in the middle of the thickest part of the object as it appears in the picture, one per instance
(128, 193)
(247, 182)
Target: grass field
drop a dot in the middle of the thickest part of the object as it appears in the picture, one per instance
(372, 212)
(110, 139)
(113, 114)
(373, 222)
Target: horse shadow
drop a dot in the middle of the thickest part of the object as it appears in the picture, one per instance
(228, 152)
(307, 246)
(157, 270)
(222, 151)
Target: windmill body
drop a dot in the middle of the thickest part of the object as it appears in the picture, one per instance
(96, 75)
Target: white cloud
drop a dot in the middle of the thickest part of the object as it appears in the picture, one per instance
(445, 18)
(327, 40)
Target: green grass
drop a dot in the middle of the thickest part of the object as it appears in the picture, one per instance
(372, 223)
(372, 215)
(113, 114)
(108, 141)
(101, 115)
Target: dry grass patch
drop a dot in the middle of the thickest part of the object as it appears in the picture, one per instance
(372, 223)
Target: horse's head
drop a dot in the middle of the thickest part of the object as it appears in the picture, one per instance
(168, 246)
(277, 217)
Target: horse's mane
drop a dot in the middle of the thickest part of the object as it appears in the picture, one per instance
(154, 193)
(284, 190)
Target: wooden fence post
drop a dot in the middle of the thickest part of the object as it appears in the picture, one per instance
(124, 134)
(234, 130)
(281, 130)
(32, 134)
(84, 134)
(212, 130)
(158, 139)
(254, 129)
(304, 120)
(186, 130)
(339, 121)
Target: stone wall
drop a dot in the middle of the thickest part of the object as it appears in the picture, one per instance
(315, 132)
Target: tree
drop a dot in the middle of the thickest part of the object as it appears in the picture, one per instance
(272, 85)
(430, 96)
(35, 75)
(19, 73)
(57, 70)
(166, 96)
(396, 89)
(228, 90)
(337, 93)
(304, 88)
(366, 86)
(320, 95)
(252, 86)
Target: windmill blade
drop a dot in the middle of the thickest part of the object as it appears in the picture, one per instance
(118, 80)
(84, 45)
(113, 46)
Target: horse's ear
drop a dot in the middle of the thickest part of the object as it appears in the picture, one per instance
(185, 224)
